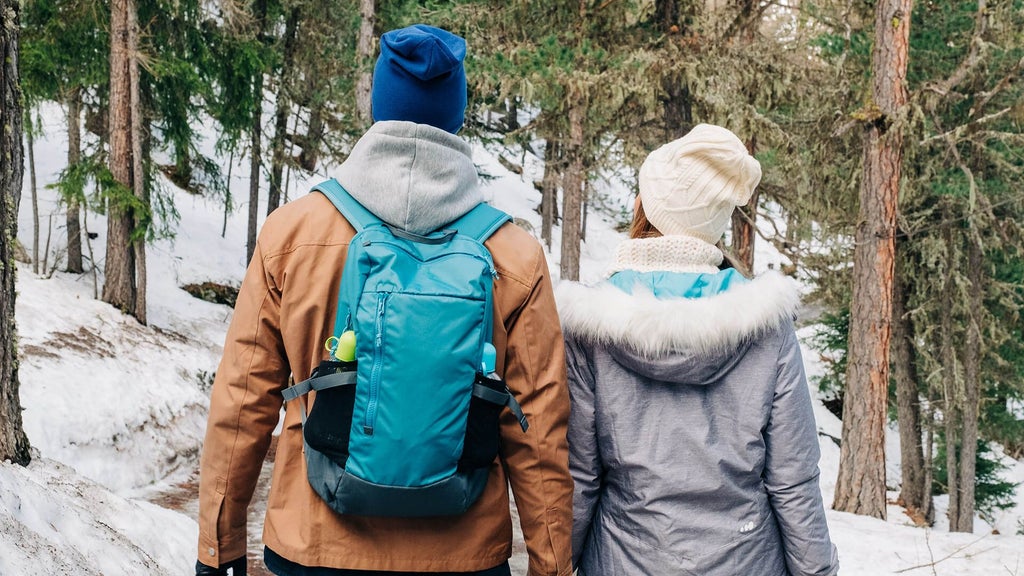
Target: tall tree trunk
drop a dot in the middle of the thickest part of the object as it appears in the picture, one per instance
(549, 189)
(929, 456)
(364, 55)
(512, 115)
(572, 192)
(677, 103)
(908, 404)
(860, 487)
(282, 112)
(227, 193)
(949, 377)
(35, 197)
(138, 176)
(254, 174)
(314, 135)
(744, 222)
(13, 442)
(952, 468)
(73, 220)
(119, 286)
(255, 144)
(972, 387)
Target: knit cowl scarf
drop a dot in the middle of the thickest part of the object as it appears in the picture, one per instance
(667, 254)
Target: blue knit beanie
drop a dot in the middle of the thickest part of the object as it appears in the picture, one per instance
(419, 78)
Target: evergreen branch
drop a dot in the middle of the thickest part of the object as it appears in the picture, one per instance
(986, 97)
(970, 62)
(955, 133)
(946, 221)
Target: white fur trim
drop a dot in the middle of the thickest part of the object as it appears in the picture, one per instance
(605, 314)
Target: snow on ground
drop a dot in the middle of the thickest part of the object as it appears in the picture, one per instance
(117, 410)
(55, 521)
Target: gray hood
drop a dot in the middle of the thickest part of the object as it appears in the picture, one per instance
(413, 176)
(678, 340)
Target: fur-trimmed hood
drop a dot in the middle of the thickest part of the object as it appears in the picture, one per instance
(685, 340)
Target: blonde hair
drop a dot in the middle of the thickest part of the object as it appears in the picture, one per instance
(641, 226)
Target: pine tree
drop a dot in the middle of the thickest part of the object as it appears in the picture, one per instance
(964, 217)
(861, 485)
(60, 39)
(125, 260)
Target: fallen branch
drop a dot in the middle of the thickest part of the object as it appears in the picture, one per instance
(944, 558)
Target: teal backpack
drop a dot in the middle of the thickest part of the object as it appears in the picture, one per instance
(406, 423)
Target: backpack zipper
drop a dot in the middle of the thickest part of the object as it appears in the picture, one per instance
(491, 270)
(378, 363)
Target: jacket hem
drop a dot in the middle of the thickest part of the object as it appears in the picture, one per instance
(384, 562)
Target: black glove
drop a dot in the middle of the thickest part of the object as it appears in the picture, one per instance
(237, 567)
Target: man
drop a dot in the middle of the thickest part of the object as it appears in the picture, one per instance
(413, 172)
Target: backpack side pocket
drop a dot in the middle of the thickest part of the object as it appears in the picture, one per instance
(329, 425)
(483, 435)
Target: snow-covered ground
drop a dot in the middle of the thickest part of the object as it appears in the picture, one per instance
(116, 411)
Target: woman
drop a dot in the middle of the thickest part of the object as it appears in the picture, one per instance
(692, 439)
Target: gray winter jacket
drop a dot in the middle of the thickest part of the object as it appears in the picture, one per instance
(692, 440)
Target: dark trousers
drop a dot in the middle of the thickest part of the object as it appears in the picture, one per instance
(284, 567)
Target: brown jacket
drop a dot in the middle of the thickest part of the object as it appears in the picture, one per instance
(284, 313)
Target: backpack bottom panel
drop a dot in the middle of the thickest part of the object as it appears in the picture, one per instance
(345, 493)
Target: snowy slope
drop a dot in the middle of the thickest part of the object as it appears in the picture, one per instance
(117, 410)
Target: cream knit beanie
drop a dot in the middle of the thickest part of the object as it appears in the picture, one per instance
(690, 186)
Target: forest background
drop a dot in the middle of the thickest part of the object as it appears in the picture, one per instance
(889, 133)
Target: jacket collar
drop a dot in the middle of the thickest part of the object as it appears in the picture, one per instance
(605, 314)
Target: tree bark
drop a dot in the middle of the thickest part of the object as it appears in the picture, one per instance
(35, 200)
(310, 154)
(908, 403)
(364, 55)
(138, 177)
(929, 456)
(254, 174)
(952, 469)
(677, 104)
(572, 192)
(283, 110)
(744, 221)
(860, 487)
(949, 378)
(972, 387)
(73, 220)
(119, 287)
(14, 444)
(227, 194)
(255, 144)
(549, 189)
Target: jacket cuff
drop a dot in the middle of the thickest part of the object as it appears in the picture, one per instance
(212, 553)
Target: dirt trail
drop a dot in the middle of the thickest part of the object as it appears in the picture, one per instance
(183, 497)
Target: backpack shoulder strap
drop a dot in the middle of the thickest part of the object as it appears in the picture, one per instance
(358, 216)
(480, 222)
